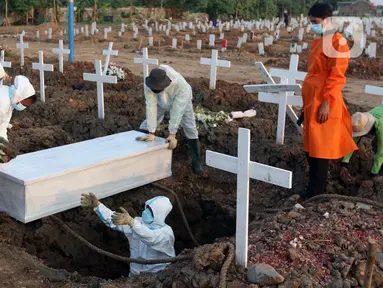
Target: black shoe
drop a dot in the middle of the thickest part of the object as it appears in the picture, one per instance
(195, 151)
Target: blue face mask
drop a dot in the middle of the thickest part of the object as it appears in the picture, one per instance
(147, 216)
(317, 28)
(18, 106)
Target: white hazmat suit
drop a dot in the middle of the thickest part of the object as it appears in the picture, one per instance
(147, 241)
(176, 98)
(10, 98)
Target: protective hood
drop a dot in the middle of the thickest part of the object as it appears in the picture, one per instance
(22, 89)
(161, 207)
(2, 72)
(170, 72)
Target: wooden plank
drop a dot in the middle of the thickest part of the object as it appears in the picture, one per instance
(300, 76)
(272, 88)
(293, 100)
(243, 176)
(281, 118)
(265, 75)
(260, 172)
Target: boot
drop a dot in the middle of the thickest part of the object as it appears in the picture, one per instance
(195, 150)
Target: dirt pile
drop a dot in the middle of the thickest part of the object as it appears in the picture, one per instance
(70, 116)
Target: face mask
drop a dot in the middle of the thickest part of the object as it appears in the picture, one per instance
(157, 91)
(147, 216)
(317, 28)
(18, 106)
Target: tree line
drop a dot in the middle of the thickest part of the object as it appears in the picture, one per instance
(244, 9)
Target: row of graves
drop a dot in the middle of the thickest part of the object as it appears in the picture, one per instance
(46, 182)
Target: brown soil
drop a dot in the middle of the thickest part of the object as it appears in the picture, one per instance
(70, 116)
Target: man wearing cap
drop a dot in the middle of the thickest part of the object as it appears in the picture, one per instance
(363, 124)
(167, 91)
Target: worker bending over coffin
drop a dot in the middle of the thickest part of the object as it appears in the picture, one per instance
(149, 236)
(16, 97)
(363, 124)
(327, 123)
(167, 91)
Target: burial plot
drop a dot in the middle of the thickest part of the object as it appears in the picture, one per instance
(245, 170)
(47, 182)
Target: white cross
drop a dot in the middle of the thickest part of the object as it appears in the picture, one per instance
(212, 40)
(214, 63)
(289, 77)
(246, 169)
(100, 79)
(4, 63)
(22, 46)
(199, 44)
(61, 51)
(108, 53)
(374, 90)
(42, 67)
(146, 62)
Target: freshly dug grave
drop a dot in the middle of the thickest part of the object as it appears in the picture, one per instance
(70, 116)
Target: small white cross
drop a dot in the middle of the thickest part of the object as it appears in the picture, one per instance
(4, 63)
(374, 90)
(146, 62)
(214, 63)
(100, 79)
(287, 77)
(61, 52)
(42, 67)
(108, 53)
(246, 169)
(22, 46)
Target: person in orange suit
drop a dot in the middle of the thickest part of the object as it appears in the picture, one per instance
(327, 127)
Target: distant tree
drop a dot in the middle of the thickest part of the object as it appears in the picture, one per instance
(23, 7)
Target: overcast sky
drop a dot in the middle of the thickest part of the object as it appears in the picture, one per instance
(377, 2)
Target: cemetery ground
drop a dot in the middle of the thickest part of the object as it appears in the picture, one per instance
(329, 250)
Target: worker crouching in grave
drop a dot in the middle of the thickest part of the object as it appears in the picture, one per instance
(16, 97)
(167, 91)
(327, 123)
(149, 236)
(368, 123)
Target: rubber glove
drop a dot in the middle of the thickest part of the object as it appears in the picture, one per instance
(123, 218)
(345, 176)
(6, 151)
(172, 141)
(147, 138)
(90, 200)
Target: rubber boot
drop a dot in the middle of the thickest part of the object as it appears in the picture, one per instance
(195, 151)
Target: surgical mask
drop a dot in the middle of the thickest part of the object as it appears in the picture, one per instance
(147, 216)
(317, 28)
(18, 106)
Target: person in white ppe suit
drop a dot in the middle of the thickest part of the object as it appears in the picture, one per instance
(167, 91)
(16, 97)
(149, 236)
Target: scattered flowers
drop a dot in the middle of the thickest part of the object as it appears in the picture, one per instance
(210, 119)
(113, 70)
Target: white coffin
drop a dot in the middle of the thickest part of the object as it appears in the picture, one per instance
(46, 182)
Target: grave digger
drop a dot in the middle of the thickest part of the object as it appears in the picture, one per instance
(16, 97)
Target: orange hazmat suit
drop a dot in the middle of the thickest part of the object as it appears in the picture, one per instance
(324, 81)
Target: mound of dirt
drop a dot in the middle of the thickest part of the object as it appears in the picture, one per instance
(69, 116)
